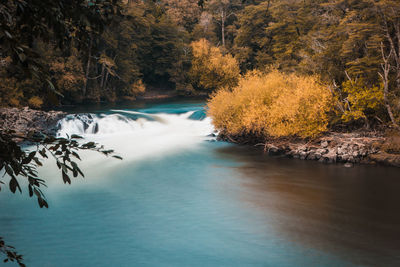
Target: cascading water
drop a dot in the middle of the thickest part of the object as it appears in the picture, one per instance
(136, 135)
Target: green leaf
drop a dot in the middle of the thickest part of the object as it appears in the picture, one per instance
(14, 185)
(66, 178)
(37, 161)
(75, 155)
(9, 170)
(30, 190)
(42, 202)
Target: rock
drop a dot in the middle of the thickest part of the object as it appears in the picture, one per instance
(322, 151)
(329, 157)
(363, 152)
(344, 158)
(324, 144)
(27, 120)
(312, 156)
(303, 155)
(341, 150)
(273, 150)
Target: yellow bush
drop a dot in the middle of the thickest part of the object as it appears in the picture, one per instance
(10, 93)
(362, 99)
(35, 102)
(210, 68)
(137, 88)
(272, 104)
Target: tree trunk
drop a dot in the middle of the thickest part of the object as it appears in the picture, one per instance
(88, 67)
(387, 104)
(103, 67)
(223, 27)
(385, 78)
(106, 79)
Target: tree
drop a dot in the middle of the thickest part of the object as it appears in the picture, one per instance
(252, 41)
(222, 10)
(211, 69)
(185, 13)
(22, 24)
(390, 14)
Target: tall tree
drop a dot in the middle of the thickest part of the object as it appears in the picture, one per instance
(222, 10)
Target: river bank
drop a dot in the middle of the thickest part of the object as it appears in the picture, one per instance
(24, 120)
(333, 147)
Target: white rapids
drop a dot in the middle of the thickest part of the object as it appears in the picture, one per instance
(146, 136)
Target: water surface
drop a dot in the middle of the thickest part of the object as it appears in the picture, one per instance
(181, 199)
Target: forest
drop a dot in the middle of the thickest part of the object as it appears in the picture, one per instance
(318, 79)
(118, 50)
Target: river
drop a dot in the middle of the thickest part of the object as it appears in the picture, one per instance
(180, 198)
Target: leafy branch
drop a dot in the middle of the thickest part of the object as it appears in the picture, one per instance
(17, 162)
(11, 253)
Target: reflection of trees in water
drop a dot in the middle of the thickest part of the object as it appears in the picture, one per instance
(350, 212)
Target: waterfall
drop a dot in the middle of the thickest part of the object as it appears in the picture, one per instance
(137, 135)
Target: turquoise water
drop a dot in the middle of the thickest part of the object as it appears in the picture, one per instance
(179, 198)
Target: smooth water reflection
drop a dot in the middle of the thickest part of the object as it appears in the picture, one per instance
(350, 212)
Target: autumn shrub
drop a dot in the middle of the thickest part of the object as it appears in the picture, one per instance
(68, 74)
(137, 88)
(362, 100)
(10, 93)
(272, 104)
(35, 102)
(211, 69)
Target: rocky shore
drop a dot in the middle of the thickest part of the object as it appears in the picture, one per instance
(24, 120)
(343, 148)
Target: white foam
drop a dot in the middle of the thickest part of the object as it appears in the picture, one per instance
(138, 139)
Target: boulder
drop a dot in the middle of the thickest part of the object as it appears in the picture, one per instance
(330, 157)
(273, 150)
(324, 144)
(27, 120)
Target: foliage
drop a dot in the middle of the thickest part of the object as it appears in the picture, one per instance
(252, 41)
(35, 102)
(138, 88)
(272, 104)
(17, 162)
(185, 13)
(362, 101)
(210, 68)
(62, 28)
(223, 12)
(11, 254)
(23, 22)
